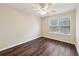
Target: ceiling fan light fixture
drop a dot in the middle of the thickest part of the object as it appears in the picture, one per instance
(44, 8)
(43, 12)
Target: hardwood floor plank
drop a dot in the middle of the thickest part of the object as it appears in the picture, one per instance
(41, 47)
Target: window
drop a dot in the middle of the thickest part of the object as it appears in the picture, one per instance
(59, 25)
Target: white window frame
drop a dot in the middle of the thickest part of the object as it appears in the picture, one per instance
(59, 32)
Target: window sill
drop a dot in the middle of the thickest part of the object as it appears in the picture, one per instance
(59, 33)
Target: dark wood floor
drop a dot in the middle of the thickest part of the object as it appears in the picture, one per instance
(41, 47)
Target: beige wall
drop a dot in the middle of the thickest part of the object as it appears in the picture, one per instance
(69, 39)
(17, 28)
(77, 29)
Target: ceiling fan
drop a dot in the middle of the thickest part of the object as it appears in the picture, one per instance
(44, 8)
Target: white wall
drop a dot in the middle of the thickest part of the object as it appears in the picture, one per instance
(77, 29)
(69, 39)
(17, 27)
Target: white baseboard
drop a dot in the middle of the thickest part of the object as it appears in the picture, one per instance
(17, 44)
(77, 49)
(58, 40)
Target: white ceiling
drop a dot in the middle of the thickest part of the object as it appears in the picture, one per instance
(28, 8)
